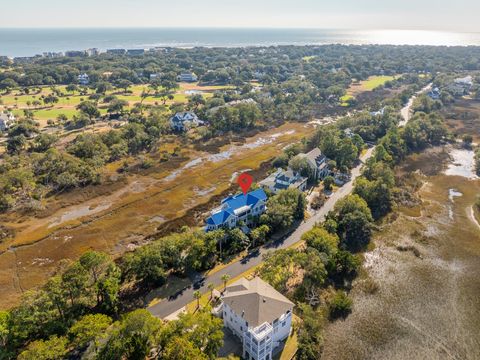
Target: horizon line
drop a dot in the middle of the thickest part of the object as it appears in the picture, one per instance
(231, 28)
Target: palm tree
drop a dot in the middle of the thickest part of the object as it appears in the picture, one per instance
(225, 278)
(197, 295)
(211, 287)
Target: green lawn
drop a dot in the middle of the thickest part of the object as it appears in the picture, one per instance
(307, 59)
(375, 81)
(366, 85)
(67, 104)
(344, 100)
(52, 113)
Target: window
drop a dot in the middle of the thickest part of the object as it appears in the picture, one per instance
(284, 323)
(241, 328)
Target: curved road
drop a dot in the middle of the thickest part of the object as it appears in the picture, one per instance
(169, 306)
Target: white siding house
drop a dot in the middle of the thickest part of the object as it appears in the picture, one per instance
(241, 207)
(6, 120)
(83, 79)
(258, 315)
(284, 179)
(183, 121)
(187, 77)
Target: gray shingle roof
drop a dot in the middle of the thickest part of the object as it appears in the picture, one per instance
(256, 301)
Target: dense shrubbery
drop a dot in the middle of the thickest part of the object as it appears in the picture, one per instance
(73, 312)
(284, 208)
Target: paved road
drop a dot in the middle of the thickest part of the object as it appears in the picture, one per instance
(167, 307)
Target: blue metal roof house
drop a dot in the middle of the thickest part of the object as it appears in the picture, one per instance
(237, 208)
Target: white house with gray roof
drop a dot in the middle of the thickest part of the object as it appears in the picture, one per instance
(284, 179)
(258, 315)
(7, 119)
(183, 121)
(187, 77)
(317, 162)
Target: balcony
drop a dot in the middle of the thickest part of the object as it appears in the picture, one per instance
(261, 332)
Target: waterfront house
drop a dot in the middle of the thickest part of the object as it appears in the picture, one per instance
(238, 208)
(318, 163)
(75, 53)
(92, 52)
(6, 120)
(183, 121)
(52, 55)
(284, 179)
(258, 315)
(135, 52)
(116, 51)
(187, 77)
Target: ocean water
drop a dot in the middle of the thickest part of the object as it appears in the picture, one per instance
(28, 42)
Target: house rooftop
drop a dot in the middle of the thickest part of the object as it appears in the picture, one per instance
(248, 199)
(467, 80)
(315, 156)
(256, 301)
(234, 205)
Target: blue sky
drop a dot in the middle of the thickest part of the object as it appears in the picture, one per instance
(459, 15)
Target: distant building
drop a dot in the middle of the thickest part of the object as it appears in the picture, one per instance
(155, 76)
(434, 94)
(183, 121)
(83, 79)
(135, 52)
(25, 59)
(349, 133)
(461, 86)
(318, 163)
(116, 51)
(378, 113)
(157, 50)
(259, 75)
(75, 53)
(6, 120)
(284, 179)
(232, 103)
(243, 101)
(92, 52)
(258, 315)
(466, 81)
(187, 77)
(5, 60)
(233, 209)
(51, 55)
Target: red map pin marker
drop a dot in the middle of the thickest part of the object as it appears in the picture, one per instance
(245, 181)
